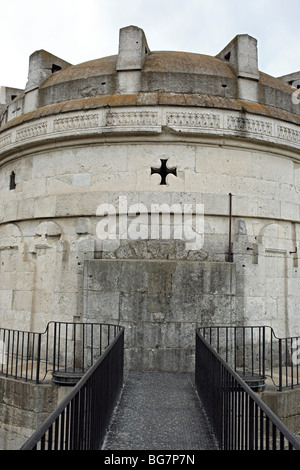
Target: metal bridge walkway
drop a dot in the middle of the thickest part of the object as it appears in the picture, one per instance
(159, 411)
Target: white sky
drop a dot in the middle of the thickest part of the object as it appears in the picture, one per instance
(82, 30)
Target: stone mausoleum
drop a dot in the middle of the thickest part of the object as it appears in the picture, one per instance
(156, 190)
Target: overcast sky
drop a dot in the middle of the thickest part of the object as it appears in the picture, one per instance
(82, 30)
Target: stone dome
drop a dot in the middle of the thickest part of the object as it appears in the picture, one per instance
(177, 72)
(196, 75)
(139, 76)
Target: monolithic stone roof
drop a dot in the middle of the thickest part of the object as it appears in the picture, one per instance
(137, 76)
(164, 72)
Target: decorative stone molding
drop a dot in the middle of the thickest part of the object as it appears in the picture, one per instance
(6, 140)
(288, 134)
(193, 119)
(146, 119)
(252, 126)
(132, 118)
(29, 132)
(85, 121)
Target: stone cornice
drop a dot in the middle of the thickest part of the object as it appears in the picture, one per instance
(151, 120)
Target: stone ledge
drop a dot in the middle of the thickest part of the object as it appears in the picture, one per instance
(154, 99)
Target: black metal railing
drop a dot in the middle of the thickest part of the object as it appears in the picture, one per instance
(239, 418)
(62, 347)
(81, 419)
(257, 350)
(20, 354)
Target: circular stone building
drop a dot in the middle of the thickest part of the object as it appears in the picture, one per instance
(156, 190)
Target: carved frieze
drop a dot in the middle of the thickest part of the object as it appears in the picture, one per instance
(82, 121)
(250, 125)
(28, 132)
(193, 119)
(132, 118)
(288, 134)
(204, 121)
(5, 140)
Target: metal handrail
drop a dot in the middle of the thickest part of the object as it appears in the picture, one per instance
(63, 346)
(257, 349)
(240, 419)
(81, 419)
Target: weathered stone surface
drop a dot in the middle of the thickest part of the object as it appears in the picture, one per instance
(23, 408)
(159, 302)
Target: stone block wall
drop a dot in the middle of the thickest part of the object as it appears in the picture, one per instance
(23, 408)
(66, 166)
(160, 303)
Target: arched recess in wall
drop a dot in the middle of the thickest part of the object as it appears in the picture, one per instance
(11, 243)
(13, 302)
(10, 235)
(48, 232)
(275, 238)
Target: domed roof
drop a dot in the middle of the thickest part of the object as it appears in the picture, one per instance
(155, 62)
(186, 62)
(161, 71)
(137, 76)
(92, 68)
(199, 76)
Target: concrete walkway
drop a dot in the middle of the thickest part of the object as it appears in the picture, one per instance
(159, 411)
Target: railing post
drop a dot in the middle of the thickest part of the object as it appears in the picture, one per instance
(8, 352)
(264, 352)
(38, 359)
(280, 363)
(251, 424)
(229, 230)
(54, 346)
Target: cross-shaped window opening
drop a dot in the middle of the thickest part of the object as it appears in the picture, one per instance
(164, 171)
